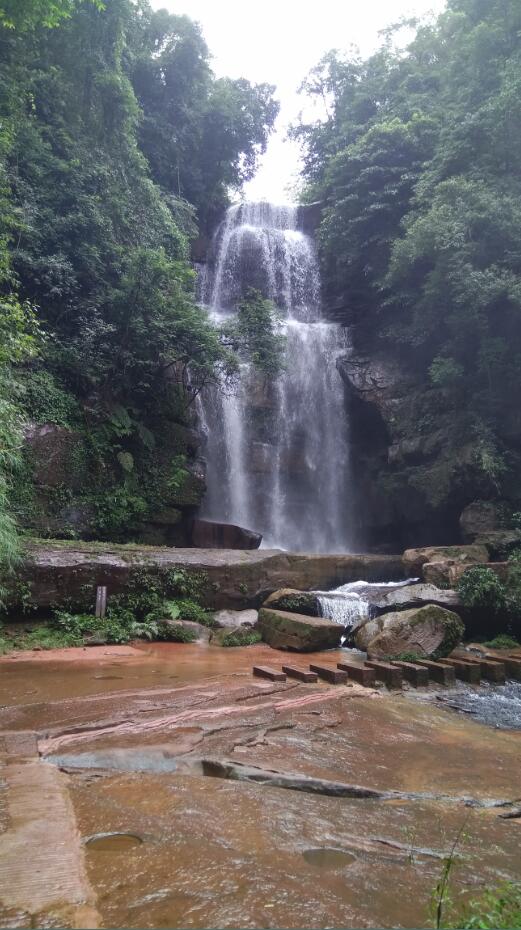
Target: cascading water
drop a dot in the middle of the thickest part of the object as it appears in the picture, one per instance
(277, 451)
(353, 603)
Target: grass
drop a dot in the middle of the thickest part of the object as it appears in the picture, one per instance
(496, 909)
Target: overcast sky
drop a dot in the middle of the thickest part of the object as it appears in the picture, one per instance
(279, 41)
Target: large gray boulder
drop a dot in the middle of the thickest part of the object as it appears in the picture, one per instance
(430, 631)
(284, 630)
(417, 595)
(235, 619)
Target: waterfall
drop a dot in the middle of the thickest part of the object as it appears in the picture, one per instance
(353, 603)
(277, 450)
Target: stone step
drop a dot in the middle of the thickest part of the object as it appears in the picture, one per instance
(415, 674)
(359, 673)
(490, 669)
(465, 671)
(263, 671)
(301, 674)
(513, 666)
(390, 674)
(443, 674)
(333, 675)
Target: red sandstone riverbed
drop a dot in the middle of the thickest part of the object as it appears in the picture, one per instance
(128, 725)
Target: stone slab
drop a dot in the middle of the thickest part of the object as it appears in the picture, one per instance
(264, 671)
(57, 571)
(359, 673)
(390, 674)
(465, 671)
(491, 670)
(332, 675)
(299, 673)
(416, 675)
(438, 671)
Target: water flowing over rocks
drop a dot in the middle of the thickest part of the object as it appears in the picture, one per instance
(277, 449)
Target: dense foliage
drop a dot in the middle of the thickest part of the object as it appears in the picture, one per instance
(418, 165)
(117, 146)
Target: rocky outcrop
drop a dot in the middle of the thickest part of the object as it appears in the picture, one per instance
(429, 631)
(208, 534)
(300, 602)
(58, 573)
(415, 559)
(297, 632)
(487, 522)
(448, 573)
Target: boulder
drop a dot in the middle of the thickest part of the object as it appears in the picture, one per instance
(446, 574)
(417, 595)
(208, 534)
(299, 602)
(297, 632)
(429, 631)
(366, 632)
(234, 619)
(415, 559)
(203, 632)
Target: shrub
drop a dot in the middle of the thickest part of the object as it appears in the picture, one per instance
(497, 909)
(503, 641)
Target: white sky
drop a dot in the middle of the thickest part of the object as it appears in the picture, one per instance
(279, 41)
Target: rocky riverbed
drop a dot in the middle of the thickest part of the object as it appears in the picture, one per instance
(121, 740)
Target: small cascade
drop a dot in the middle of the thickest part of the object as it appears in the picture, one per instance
(277, 450)
(352, 604)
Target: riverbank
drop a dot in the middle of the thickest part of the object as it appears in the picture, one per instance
(129, 727)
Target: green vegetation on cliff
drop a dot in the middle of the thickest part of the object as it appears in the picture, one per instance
(117, 146)
(418, 165)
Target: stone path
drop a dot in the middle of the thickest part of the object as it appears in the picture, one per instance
(42, 873)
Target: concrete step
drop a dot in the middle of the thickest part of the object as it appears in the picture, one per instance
(465, 671)
(491, 670)
(443, 674)
(333, 675)
(415, 674)
(359, 673)
(390, 674)
(299, 673)
(263, 671)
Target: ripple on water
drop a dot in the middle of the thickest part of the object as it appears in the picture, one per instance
(498, 706)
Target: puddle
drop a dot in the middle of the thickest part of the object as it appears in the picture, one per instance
(113, 842)
(326, 858)
(147, 759)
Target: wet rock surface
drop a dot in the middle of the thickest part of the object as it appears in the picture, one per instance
(132, 728)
